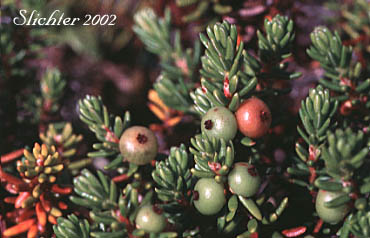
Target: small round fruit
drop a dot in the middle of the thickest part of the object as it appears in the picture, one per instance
(219, 122)
(150, 220)
(138, 145)
(330, 215)
(209, 196)
(253, 117)
(244, 180)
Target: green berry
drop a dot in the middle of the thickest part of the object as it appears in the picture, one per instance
(138, 145)
(209, 197)
(330, 215)
(219, 122)
(244, 180)
(150, 219)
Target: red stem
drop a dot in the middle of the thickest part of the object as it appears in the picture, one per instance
(313, 174)
(312, 156)
(130, 227)
(226, 87)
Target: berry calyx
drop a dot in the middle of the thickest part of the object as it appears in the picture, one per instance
(244, 180)
(142, 139)
(330, 215)
(219, 122)
(210, 197)
(150, 219)
(253, 118)
(138, 145)
(208, 124)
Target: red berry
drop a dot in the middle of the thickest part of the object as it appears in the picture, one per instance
(253, 118)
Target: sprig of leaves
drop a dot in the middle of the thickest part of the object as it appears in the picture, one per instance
(345, 152)
(279, 36)
(213, 157)
(357, 224)
(174, 183)
(222, 55)
(107, 128)
(112, 210)
(61, 136)
(345, 167)
(72, 227)
(316, 114)
(52, 87)
(342, 74)
(98, 193)
(173, 176)
(202, 7)
(43, 162)
(178, 65)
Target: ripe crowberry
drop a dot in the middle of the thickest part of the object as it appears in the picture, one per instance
(253, 118)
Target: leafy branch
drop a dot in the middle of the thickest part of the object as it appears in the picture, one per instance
(342, 74)
(316, 114)
(107, 128)
(174, 183)
(178, 65)
(72, 227)
(213, 157)
(279, 36)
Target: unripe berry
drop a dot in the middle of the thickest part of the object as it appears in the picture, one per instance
(330, 215)
(150, 220)
(253, 117)
(210, 197)
(244, 180)
(138, 145)
(219, 122)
